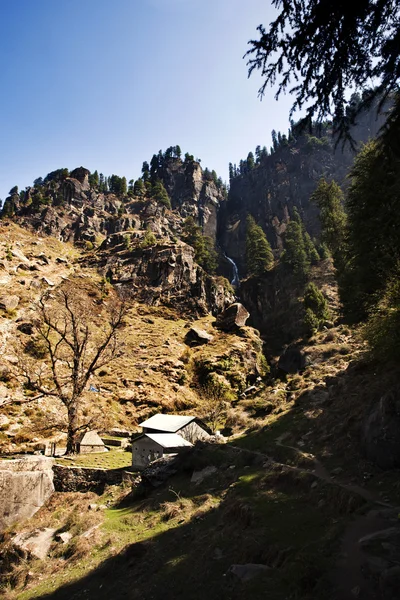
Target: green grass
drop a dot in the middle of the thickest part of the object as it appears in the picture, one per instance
(114, 459)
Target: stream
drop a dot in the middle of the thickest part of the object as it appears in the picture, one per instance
(235, 280)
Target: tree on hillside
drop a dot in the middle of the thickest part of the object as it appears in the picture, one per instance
(160, 194)
(309, 246)
(294, 253)
(75, 347)
(317, 49)
(94, 179)
(145, 171)
(205, 254)
(372, 251)
(329, 199)
(139, 188)
(259, 256)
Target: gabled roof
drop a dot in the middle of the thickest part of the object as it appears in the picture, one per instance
(167, 440)
(91, 438)
(167, 423)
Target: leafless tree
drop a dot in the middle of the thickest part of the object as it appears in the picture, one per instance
(79, 333)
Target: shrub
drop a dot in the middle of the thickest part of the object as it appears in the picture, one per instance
(148, 240)
(311, 322)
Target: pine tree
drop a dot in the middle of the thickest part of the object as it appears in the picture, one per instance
(309, 247)
(329, 199)
(94, 179)
(372, 251)
(250, 161)
(205, 253)
(145, 171)
(295, 254)
(274, 140)
(160, 194)
(139, 188)
(259, 256)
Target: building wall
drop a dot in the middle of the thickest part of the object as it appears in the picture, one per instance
(144, 451)
(193, 432)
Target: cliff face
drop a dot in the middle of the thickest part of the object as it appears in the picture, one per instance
(284, 180)
(163, 271)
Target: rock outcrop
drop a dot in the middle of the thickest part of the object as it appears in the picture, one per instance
(25, 485)
(233, 318)
(164, 273)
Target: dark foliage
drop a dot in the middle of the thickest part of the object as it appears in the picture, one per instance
(317, 49)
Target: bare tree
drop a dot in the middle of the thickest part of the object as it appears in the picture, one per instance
(78, 333)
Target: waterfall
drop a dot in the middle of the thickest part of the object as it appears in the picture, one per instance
(235, 280)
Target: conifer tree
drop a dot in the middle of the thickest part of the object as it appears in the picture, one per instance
(329, 199)
(139, 188)
(259, 256)
(160, 194)
(205, 253)
(250, 161)
(295, 254)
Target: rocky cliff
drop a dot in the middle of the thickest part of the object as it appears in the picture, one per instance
(286, 179)
(112, 227)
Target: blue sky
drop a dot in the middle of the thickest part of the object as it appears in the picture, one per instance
(106, 83)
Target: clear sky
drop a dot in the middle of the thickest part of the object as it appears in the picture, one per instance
(107, 83)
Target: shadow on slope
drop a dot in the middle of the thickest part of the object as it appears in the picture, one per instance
(181, 541)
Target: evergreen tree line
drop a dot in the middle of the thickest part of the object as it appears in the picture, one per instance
(363, 234)
(299, 254)
(316, 136)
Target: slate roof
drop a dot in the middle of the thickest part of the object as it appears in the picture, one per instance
(168, 440)
(91, 438)
(167, 423)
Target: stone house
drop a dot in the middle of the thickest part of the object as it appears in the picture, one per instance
(90, 442)
(188, 427)
(165, 435)
(148, 447)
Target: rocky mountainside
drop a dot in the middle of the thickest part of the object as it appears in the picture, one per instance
(134, 240)
(284, 180)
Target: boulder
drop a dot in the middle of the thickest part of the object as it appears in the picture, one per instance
(199, 476)
(233, 317)
(292, 360)
(36, 543)
(43, 258)
(9, 302)
(381, 432)
(196, 337)
(63, 537)
(48, 281)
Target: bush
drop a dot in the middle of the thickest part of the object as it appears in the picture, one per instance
(315, 301)
(148, 240)
(311, 322)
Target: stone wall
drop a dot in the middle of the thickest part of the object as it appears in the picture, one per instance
(84, 479)
(25, 485)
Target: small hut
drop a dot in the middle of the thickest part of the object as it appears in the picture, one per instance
(148, 447)
(90, 442)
